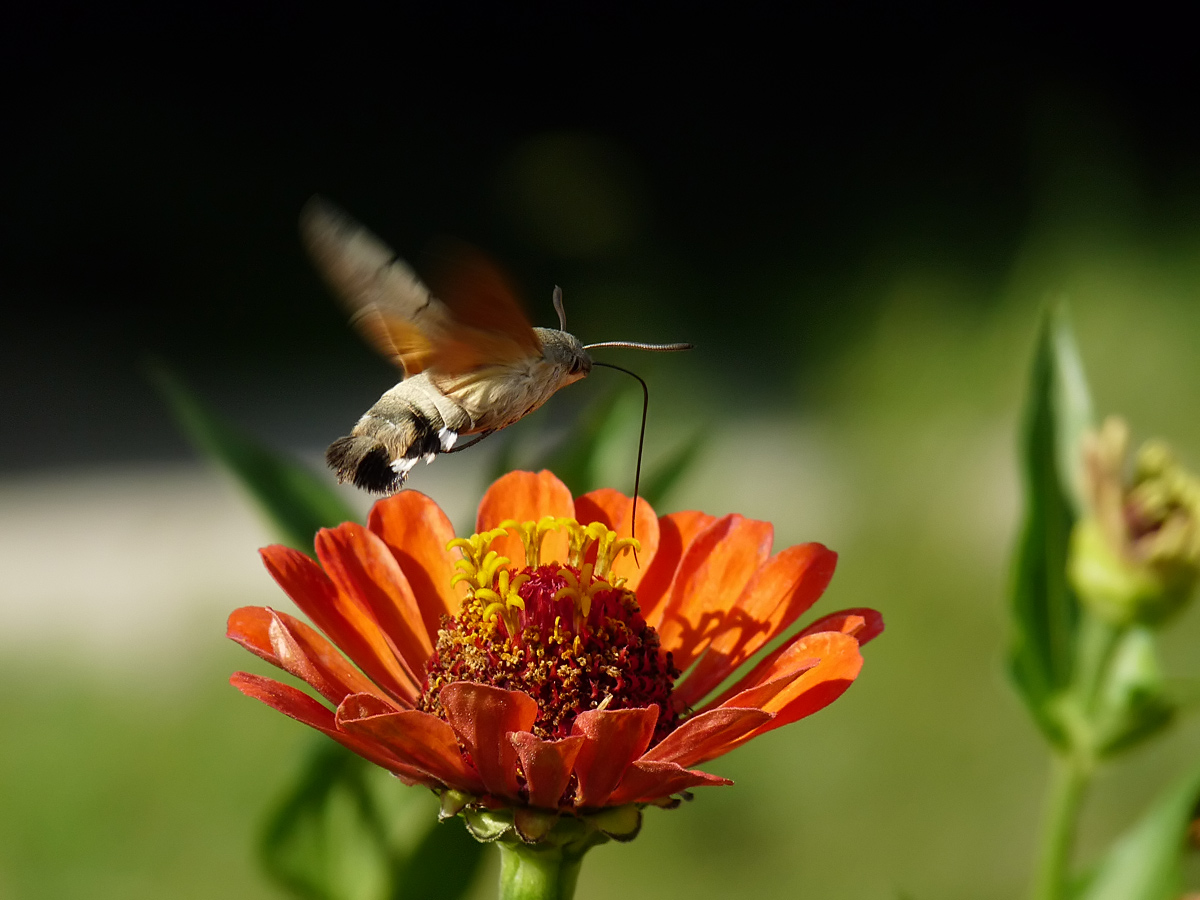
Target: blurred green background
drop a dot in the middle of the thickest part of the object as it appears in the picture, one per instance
(858, 224)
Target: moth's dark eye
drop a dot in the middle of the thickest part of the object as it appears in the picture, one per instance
(576, 365)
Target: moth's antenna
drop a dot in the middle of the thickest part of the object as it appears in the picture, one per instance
(558, 308)
(637, 478)
(637, 345)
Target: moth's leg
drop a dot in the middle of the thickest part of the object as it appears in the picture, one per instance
(473, 441)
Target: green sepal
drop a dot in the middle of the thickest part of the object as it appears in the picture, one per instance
(533, 825)
(552, 828)
(673, 801)
(487, 825)
(451, 803)
(621, 823)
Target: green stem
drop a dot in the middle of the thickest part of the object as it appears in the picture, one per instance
(536, 874)
(1072, 773)
(1069, 782)
(1097, 639)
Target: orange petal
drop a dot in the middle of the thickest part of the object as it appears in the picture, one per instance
(417, 532)
(705, 736)
(758, 696)
(815, 688)
(423, 741)
(778, 594)
(615, 510)
(526, 497)
(296, 648)
(546, 764)
(483, 716)
(861, 623)
(645, 781)
(712, 575)
(350, 626)
(250, 626)
(822, 684)
(615, 738)
(303, 708)
(362, 567)
(363, 706)
(676, 531)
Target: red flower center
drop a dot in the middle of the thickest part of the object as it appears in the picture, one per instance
(571, 641)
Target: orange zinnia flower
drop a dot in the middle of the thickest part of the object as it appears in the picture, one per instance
(531, 668)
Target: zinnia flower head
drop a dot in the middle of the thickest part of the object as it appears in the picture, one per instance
(530, 673)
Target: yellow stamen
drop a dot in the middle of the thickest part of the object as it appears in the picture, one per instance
(478, 563)
(532, 534)
(488, 594)
(493, 588)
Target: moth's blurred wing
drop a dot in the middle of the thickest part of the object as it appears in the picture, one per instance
(388, 304)
(480, 324)
(491, 325)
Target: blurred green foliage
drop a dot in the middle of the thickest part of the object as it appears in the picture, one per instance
(296, 502)
(604, 429)
(1147, 861)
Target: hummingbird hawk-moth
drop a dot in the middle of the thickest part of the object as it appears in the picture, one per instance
(472, 362)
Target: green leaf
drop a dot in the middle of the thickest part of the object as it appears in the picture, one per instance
(661, 480)
(1147, 862)
(297, 502)
(1045, 611)
(339, 834)
(443, 865)
(578, 457)
(326, 840)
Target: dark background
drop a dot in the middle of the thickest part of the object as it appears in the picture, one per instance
(757, 165)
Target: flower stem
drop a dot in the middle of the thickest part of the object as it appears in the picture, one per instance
(1097, 639)
(537, 874)
(1070, 779)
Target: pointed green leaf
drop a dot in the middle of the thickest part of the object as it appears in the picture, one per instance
(1045, 612)
(325, 840)
(661, 480)
(297, 502)
(577, 458)
(1072, 410)
(1147, 862)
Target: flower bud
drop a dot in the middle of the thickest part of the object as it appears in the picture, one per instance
(1136, 556)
